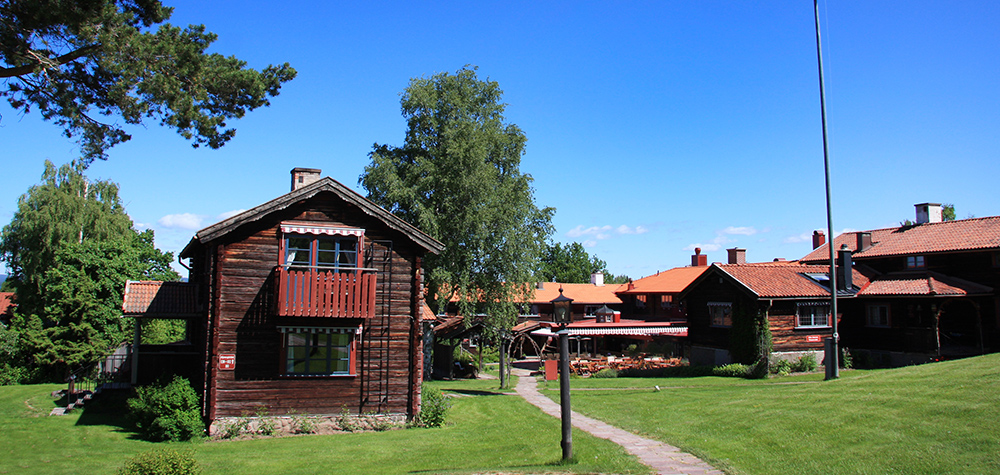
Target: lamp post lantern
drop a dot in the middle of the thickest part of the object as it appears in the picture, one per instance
(562, 310)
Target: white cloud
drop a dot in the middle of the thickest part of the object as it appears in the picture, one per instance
(623, 229)
(589, 243)
(181, 221)
(741, 230)
(804, 237)
(605, 232)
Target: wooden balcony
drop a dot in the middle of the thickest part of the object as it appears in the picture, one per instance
(321, 293)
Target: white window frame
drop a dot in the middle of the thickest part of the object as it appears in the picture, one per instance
(320, 334)
(810, 311)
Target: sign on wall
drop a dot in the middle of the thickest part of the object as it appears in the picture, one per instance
(227, 361)
(813, 338)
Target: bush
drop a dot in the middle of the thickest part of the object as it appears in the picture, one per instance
(805, 363)
(166, 412)
(759, 369)
(605, 373)
(846, 361)
(781, 367)
(301, 424)
(732, 370)
(433, 407)
(161, 462)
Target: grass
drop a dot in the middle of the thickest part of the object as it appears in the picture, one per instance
(486, 431)
(930, 419)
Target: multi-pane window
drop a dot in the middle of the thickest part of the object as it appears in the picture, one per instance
(318, 354)
(878, 315)
(915, 262)
(640, 301)
(324, 252)
(721, 314)
(813, 315)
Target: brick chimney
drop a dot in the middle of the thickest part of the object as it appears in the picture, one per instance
(737, 255)
(304, 176)
(819, 239)
(699, 259)
(928, 213)
(864, 241)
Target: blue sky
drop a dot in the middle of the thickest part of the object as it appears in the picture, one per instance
(653, 127)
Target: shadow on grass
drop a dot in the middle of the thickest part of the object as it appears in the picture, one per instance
(474, 392)
(107, 409)
(504, 469)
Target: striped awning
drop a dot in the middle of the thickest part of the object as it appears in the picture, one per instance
(618, 331)
(302, 329)
(296, 228)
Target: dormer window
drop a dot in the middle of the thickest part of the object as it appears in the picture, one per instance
(915, 262)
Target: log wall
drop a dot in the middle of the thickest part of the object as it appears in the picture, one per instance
(244, 321)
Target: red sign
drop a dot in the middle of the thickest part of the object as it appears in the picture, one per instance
(814, 338)
(227, 361)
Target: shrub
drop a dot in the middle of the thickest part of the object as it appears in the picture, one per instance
(732, 370)
(759, 369)
(161, 462)
(433, 407)
(781, 367)
(805, 363)
(605, 373)
(302, 424)
(346, 421)
(266, 426)
(846, 361)
(166, 411)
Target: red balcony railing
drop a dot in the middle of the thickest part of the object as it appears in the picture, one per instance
(319, 293)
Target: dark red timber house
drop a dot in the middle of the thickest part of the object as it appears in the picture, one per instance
(309, 303)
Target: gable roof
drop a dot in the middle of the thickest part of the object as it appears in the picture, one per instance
(947, 236)
(921, 283)
(323, 185)
(153, 298)
(667, 282)
(783, 279)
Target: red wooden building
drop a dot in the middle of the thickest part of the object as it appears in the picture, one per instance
(309, 303)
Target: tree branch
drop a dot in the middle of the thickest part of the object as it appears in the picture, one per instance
(47, 63)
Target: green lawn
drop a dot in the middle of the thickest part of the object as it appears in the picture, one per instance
(487, 431)
(929, 419)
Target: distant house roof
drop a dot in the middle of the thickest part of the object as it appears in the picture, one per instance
(923, 283)
(151, 298)
(6, 305)
(672, 281)
(785, 279)
(323, 185)
(583, 294)
(946, 236)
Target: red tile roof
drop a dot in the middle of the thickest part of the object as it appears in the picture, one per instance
(672, 281)
(6, 304)
(784, 279)
(946, 236)
(580, 293)
(150, 298)
(921, 283)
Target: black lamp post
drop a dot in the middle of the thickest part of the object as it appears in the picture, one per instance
(562, 310)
